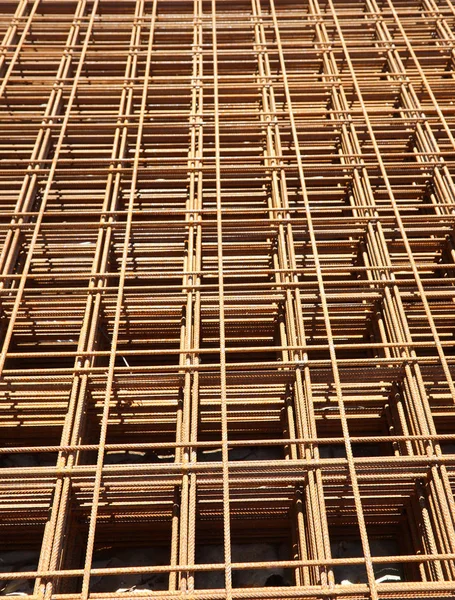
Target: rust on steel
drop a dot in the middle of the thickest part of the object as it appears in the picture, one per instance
(227, 293)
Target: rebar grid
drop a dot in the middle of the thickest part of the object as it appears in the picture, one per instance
(227, 290)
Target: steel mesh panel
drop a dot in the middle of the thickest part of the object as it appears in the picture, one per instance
(227, 299)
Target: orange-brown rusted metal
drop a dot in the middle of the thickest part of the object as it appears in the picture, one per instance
(227, 330)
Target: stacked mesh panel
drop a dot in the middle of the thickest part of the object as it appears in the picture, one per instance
(227, 320)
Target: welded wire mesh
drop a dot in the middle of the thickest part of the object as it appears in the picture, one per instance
(227, 299)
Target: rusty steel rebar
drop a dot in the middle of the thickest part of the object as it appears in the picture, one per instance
(227, 330)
